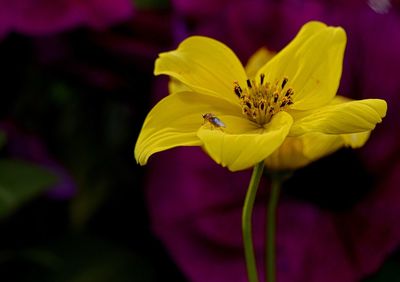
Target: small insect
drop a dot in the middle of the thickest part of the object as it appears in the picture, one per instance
(213, 120)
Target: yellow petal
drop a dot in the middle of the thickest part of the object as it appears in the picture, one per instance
(257, 60)
(175, 86)
(355, 140)
(296, 152)
(205, 65)
(313, 64)
(341, 118)
(174, 121)
(242, 143)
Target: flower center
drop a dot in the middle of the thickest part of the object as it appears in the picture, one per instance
(260, 100)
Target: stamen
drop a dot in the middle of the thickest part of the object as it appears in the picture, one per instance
(262, 76)
(284, 81)
(289, 92)
(261, 99)
(262, 106)
(271, 110)
(238, 91)
(249, 83)
(276, 97)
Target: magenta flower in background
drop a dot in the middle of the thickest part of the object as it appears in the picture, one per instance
(195, 205)
(42, 17)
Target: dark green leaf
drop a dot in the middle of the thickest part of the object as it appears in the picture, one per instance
(390, 271)
(82, 259)
(21, 182)
(151, 4)
(3, 139)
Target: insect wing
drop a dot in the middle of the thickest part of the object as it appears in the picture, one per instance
(217, 122)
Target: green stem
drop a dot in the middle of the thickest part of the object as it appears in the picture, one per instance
(271, 227)
(246, 222)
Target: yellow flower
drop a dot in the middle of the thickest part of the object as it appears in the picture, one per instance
(241, 120)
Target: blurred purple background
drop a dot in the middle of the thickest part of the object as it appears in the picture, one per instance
(77, 84)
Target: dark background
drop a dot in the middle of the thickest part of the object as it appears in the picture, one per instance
(83, 101)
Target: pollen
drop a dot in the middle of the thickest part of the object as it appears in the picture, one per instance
(260, 100)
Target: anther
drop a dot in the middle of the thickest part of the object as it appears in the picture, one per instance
(262, 106)
(289, 92)
(284, 81)
(238, 91)
(262, 76)
(249, 83)
(271, 110)
(276, 96)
